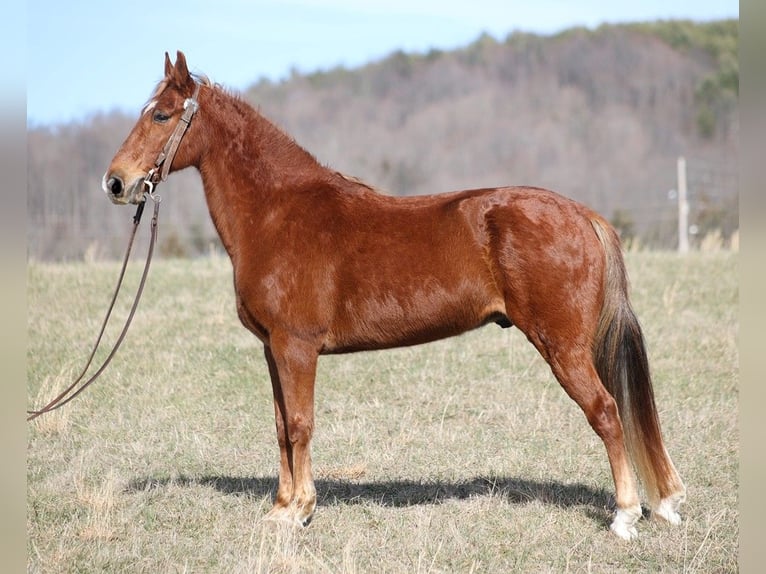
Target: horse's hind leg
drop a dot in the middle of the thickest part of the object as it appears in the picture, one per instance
(574, 369)
(293, 368)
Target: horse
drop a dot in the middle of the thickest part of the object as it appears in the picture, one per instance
(324, 263)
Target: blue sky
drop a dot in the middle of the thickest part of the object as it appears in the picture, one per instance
(90, 57)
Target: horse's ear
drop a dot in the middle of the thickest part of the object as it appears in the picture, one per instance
(168, 65)
(182, 71)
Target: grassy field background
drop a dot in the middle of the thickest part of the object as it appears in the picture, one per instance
(458, 456)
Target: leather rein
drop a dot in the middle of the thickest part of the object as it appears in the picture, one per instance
(156, 175)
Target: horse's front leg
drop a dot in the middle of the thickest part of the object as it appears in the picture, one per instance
(285, 489)
(292, 366)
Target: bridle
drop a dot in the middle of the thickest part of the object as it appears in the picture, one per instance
(164, 160)
(157, 174)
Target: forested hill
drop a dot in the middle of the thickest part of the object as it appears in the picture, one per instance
(599, 115)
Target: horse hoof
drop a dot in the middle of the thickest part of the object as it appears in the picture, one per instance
(668, 509)
(303, 518)
(279, 515)
(289, 515)
(624, 532)
(623, 525)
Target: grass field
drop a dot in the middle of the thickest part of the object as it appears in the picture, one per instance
(459, 456)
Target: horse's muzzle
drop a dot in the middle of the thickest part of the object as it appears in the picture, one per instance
(120, 193)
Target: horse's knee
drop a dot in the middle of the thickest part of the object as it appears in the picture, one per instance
(299, 429)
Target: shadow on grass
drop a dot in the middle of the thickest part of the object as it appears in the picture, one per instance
(403, 493)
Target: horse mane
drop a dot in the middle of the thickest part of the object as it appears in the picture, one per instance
(355, 180)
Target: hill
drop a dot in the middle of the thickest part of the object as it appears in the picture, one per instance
(598, 115)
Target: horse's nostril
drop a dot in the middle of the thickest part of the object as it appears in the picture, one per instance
(115, 185)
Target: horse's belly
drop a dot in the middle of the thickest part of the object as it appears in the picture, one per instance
(389, 321)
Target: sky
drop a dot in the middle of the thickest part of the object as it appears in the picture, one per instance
(86, 57)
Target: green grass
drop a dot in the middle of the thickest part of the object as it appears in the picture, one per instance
(459, 456)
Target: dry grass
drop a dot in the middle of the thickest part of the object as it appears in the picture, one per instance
(459, 456)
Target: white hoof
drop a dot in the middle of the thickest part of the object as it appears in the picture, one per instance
(624, 522)
(291, 515)
(280, 515)
(668, 508)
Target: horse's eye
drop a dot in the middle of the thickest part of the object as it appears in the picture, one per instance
(160, 117)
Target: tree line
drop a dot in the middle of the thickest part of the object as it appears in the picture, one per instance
(599, 115)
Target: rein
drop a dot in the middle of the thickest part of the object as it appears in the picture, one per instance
(152, 179)
(62, 398)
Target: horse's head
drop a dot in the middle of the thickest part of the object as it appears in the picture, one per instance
(152, 146)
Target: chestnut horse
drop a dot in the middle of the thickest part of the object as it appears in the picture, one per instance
(326, 264)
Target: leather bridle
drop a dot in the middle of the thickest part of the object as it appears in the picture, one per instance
(156, 175)
(164, 160)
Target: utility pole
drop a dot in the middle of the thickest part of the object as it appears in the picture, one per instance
(683, 208)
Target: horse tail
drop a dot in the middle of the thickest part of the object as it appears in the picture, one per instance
(621, 361)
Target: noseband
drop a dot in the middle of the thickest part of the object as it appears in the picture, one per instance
(164, 160)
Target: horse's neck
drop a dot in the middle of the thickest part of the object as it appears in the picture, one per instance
(243, 147)
(249, 167)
